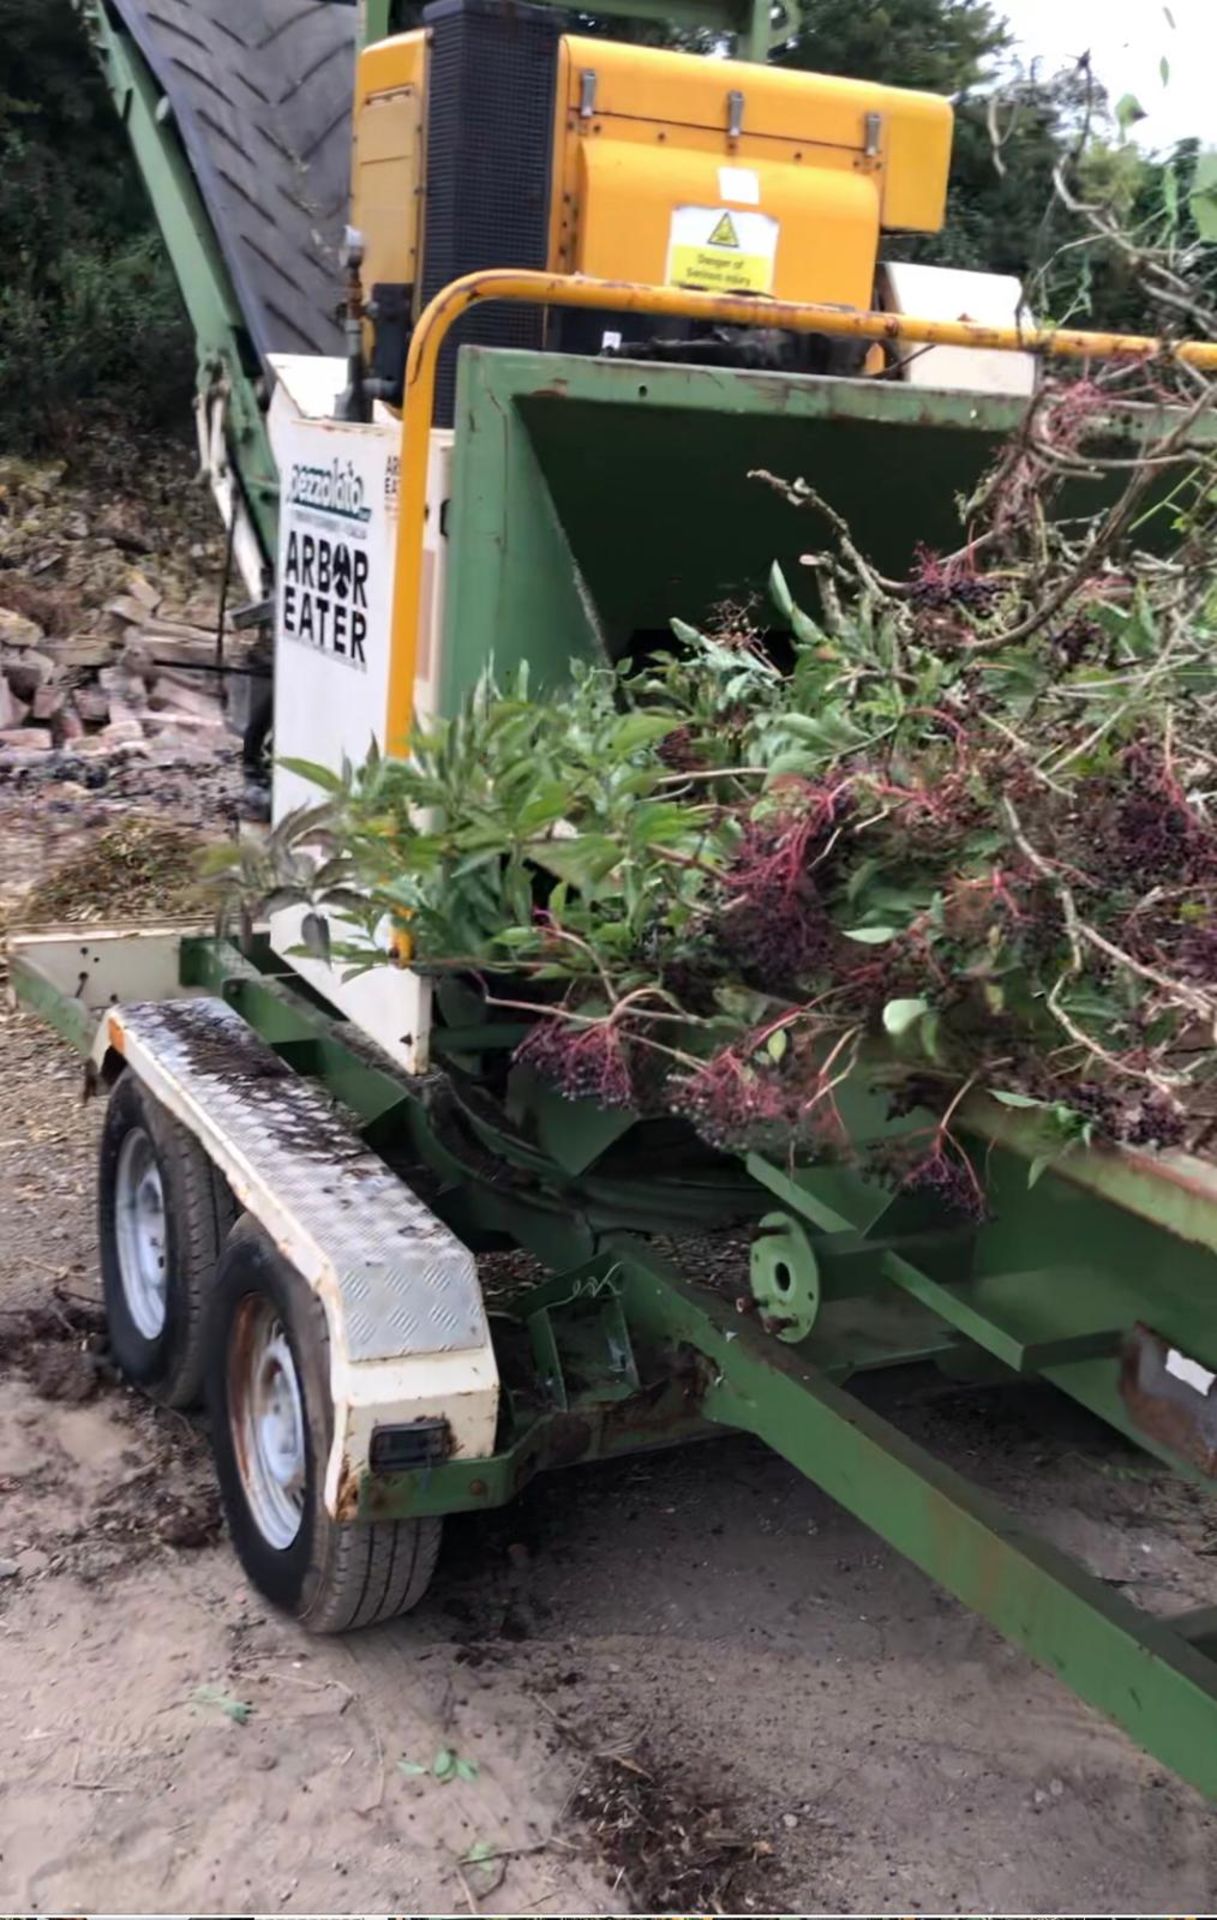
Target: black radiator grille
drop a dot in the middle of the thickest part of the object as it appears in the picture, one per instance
(490, 121)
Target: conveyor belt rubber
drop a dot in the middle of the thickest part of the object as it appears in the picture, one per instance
(261, 92)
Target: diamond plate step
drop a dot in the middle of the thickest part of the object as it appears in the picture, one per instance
(406, 1285)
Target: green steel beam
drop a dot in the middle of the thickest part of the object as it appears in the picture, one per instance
(66, 1015)
(375, 21)
(696, 1365)
(1151, 1677)
(222, 347)
(1131, 1666)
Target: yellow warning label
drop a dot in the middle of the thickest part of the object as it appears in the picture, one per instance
(724, 234)
(718, 270)
(718, 251)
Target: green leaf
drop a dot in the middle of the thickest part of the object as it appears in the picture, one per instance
(861, 877)
(636, 730)
(467, 1769)
(315, 774)
(1164, 69)
(1128, 111)
(689, 636)
(212, 1696)
(478, 1854)
(777, 1044)
(804, 628)
(583, 861)
(1014, 1099)
(443, 1767)
(743, 1004)
(664, 823)
(1202, 200)
(1037, 1167)
(871, 936)
(412, 1769)
(929, 1033)
(900, 1015)
(546, 806)
(779, 592)
(830, 730)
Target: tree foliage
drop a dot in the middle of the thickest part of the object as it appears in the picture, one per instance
(941, 46)
(1014, 132)
(88, 307)
(962, 836)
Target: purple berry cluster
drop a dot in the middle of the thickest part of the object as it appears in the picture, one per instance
(730, 1103)
(1082, 638)
(950, 1180)
(581, 1062)
(775, 926)
(934, 585)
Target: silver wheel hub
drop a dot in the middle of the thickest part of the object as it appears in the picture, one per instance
(267, 1415)
(139, 1219)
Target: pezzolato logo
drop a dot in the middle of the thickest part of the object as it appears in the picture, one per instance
(336, 490)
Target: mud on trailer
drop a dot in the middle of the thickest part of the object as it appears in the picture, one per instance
(299, 1170)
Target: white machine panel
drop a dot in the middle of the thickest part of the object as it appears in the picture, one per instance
(337, 537)
(950, 293)
(334, 583)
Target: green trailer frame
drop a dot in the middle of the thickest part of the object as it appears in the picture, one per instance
(621, 1347)
(1099, 1278)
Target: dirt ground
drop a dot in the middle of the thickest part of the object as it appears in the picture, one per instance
(682, 1682)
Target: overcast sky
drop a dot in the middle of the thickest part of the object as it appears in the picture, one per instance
(1127, 39)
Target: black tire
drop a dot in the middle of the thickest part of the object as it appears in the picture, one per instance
(333, 1576)
(199, 1211)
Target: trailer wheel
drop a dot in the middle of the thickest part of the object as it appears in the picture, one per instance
(272, 1423)
(163, 1214)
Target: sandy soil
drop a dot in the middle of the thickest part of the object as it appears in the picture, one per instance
(681, 1679)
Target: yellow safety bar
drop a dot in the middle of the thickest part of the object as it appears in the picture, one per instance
(623, 296)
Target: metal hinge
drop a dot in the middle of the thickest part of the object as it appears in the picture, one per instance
(874, 134)
(587, 93)
(735, 114)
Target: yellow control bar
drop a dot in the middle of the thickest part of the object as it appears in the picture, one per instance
(623, 296)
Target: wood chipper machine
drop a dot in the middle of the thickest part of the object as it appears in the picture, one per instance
(587, 286)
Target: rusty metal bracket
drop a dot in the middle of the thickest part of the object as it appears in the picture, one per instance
(1170, 1397)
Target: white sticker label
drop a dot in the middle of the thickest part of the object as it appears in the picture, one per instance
(720, 250)
(740, 184)
(1190, 1372)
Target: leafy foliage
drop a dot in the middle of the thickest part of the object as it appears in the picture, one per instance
(962, 838)
(941, 46)
(88, 307)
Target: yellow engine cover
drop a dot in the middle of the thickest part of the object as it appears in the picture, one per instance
(678, 170)
(387, 164)
(674, 169)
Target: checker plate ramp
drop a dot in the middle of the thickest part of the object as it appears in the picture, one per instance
(261, 92)
(407, 1285)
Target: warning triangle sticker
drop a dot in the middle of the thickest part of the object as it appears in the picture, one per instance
(724, 234)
